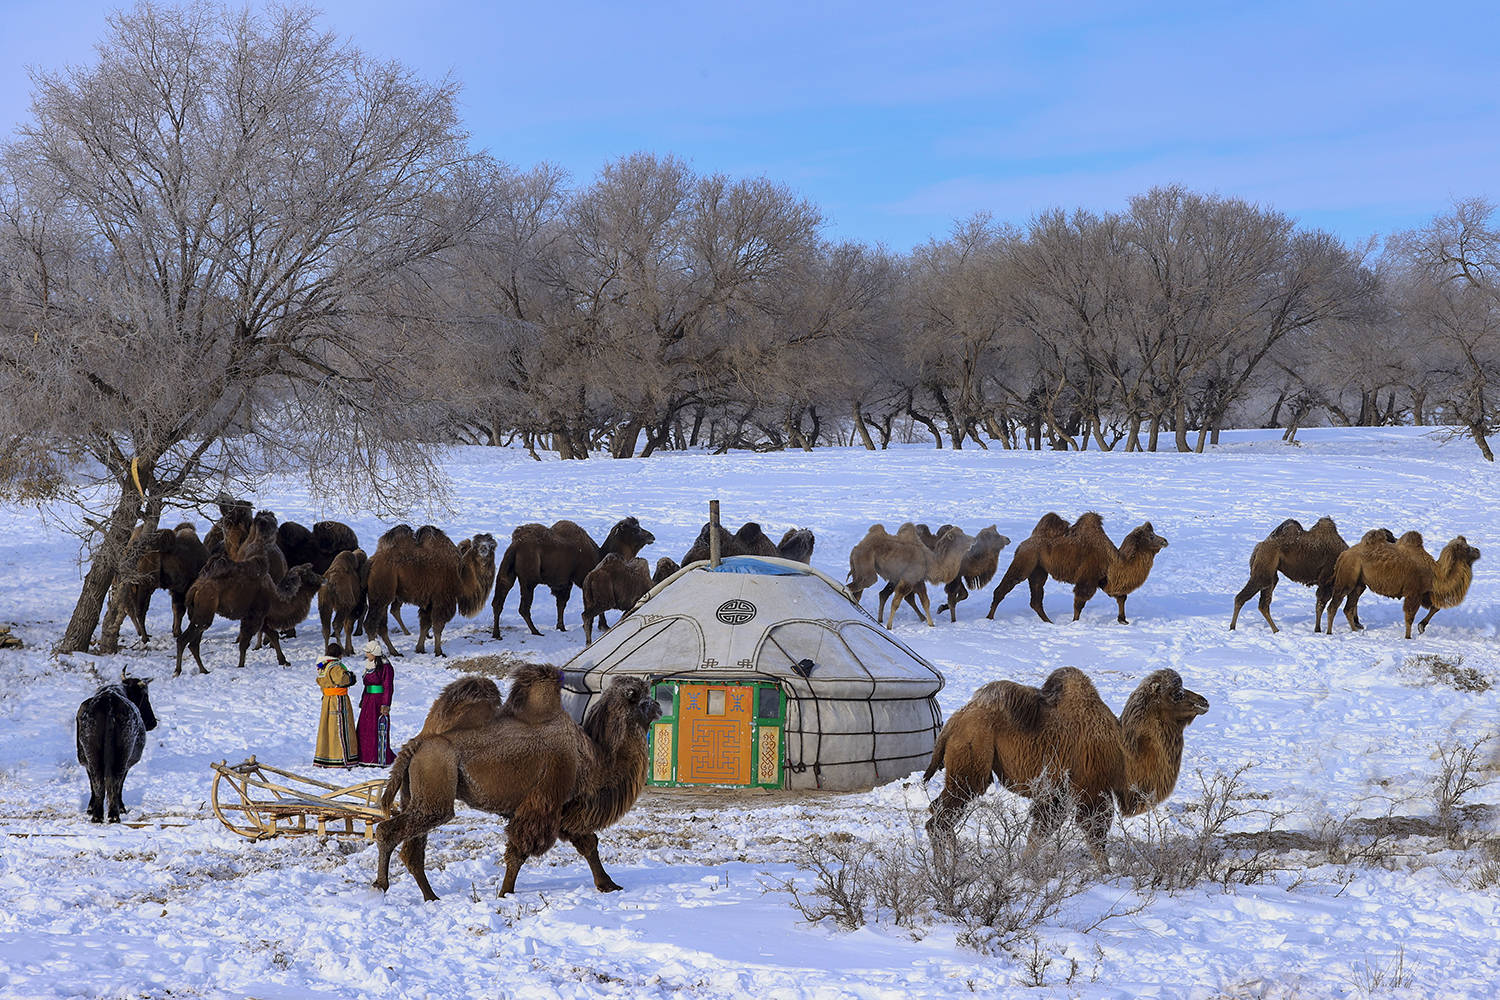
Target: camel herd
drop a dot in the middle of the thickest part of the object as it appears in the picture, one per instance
(265, 574)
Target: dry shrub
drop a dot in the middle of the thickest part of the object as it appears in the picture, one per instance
(1449, 670)
(1463, 769)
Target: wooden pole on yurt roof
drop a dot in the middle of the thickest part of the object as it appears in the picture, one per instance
(713, 533)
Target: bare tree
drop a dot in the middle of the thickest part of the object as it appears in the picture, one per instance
(203, 229)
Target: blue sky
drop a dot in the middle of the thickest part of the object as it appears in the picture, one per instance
(896, 119)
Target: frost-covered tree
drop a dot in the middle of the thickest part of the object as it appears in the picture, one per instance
(206, 235)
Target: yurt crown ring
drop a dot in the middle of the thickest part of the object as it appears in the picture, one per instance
(735, 611)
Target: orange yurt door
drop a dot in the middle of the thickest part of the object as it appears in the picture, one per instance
(714, 733)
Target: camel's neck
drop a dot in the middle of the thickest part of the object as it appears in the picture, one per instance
(1153, 758)
(619, 778)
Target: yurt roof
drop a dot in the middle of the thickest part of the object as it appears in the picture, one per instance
(758, 615)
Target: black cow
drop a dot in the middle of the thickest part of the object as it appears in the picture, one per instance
(112, 727)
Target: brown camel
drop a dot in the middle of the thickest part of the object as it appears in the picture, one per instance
(797, 545)
(342, 597)
(901, 560)
(229, 531)
(262, 538)
(615, 584)
(665, 567)
(966, 561)
(171, 561)
(558, 558)
(546, 775)
(317, 547)
(400, 535)
(1083, 555)
(426, 569)
(1303, 556)
(1405, 571)
(1061, 741)
(750, 540)
(243, 591)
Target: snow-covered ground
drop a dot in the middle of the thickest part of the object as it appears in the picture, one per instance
(1331, 727)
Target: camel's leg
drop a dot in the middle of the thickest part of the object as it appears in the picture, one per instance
(438, 624)
(1121, 619)
(1323, 594)
(900, 596)
(1014, 575)
(424, 625)
(414, 856)
(588, 627)
(1334, 600)
(328, 621)
(1410, 606)
(179, 607)
(954, 591)
(1082, 592)
(1047, 815)
(189, 640)
(1038, 584)
(528, 590)
(1351, 609)
(603, 624)
(588, 846)
(1094, 818)
(514, 859)
(137, 603)
(502, 591)
(885, 593)
(396, 614)
(926, 604)
(562, 603)
(249, 628)
(377, 625)
(1422, 625)
(275, 638)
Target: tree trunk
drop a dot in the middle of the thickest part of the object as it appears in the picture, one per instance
(937, 435)
(864, 432)
(101, 574)
(1478, 431)
(626, 439)
(1154, 433)
(1133, 436)
(1180, 424)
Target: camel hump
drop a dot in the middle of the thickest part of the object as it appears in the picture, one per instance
(431, 534)
(1051, 525)
(1287, 530)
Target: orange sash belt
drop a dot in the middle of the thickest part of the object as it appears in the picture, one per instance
(335, 691)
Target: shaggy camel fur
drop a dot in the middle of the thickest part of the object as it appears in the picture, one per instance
(426, 569)
(244, 591)
(533, 765)
(901, 560)
(615, 584)
(1083, 555)
(797, 545)
(665, 567)
(965, 562)
(317, 547)
(229, 531)
(750, 540)
(342, 598)
(1405, 571)
(558, 558)
(262, 539)
(1061, 742)
(1304, 556)
(171, 561)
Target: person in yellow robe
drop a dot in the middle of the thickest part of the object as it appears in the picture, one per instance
(337, 745)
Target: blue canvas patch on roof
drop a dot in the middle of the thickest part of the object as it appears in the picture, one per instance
(755, 566)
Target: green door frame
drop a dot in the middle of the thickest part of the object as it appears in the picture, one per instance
(767, 733)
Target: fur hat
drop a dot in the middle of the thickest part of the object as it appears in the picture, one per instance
(372, 648)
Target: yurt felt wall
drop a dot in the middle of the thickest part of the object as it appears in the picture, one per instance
(858, 706)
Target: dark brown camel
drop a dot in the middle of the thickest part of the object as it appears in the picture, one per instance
(427, 570)
(318, 546)
(229, 531)
(749, 540)
(797, 545)
(171, 561)
(1061, 742)
(558, 558)
(342, 597)
(243, 591)
(616, 584)
(546, 775)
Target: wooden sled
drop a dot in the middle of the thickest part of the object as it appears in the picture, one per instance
(258, 801)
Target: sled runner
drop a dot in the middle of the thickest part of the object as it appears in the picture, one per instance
(259, 801)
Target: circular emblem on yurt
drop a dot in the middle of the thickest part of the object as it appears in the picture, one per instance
(735, 611)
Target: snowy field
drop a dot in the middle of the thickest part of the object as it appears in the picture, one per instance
(1331, 728)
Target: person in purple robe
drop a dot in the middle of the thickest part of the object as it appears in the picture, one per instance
(374, 728)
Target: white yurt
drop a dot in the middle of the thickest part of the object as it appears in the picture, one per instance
(769, 675)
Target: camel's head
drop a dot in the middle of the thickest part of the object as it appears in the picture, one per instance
(624, 712)
(1145, 539)
(990, 540)
(306, 576)
(1162, 695)
(234, 511)
(484, 546)
(628, 536)
(1459, 550)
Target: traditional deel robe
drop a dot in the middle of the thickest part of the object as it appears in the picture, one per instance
(375, 715)
(336, 746)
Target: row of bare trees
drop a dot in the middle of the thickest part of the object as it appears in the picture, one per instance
(235, 244)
